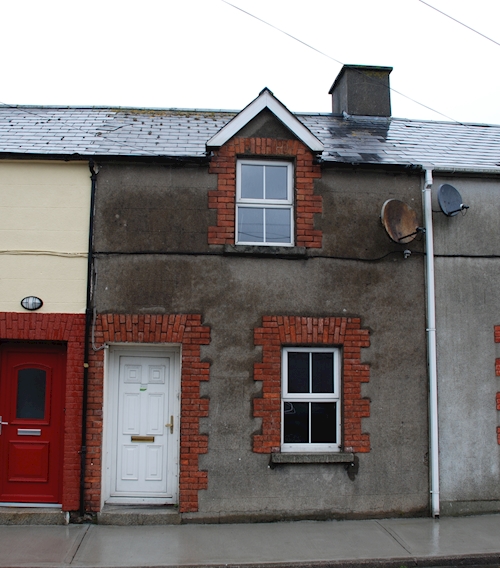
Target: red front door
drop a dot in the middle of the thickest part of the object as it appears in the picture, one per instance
(31, 410)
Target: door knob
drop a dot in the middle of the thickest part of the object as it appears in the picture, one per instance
(170, 425)
(1, 423)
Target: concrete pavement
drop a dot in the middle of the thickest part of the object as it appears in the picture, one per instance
(391, 543)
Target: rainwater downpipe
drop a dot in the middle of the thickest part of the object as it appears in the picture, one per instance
(431, 345)
(88, 324)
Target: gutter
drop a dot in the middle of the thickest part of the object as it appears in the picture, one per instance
(431, 345)
(88, 324)
(466, 170)
(195, 159)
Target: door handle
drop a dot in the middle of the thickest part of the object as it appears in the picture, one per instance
(171, 425)
(1, 423)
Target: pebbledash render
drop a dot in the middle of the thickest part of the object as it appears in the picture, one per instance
(249, 343)
(294, 286)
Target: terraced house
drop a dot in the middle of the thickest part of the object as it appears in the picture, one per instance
(250, 315)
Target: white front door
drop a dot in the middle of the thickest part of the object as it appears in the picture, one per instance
(145, 426)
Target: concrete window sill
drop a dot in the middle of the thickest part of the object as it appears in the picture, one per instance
(251, 250)
(289, 458)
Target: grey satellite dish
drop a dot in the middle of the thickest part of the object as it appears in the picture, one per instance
(450, 200)
(400, 221)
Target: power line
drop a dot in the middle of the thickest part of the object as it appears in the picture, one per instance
(458, 22)
(283, 32)
(128, 145)
(44, 252)
(339, 62)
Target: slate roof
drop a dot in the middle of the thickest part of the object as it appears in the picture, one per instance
(94, 132)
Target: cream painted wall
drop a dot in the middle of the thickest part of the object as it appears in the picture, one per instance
(44, 223)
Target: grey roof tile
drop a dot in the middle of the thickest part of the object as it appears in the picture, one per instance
(173, 132)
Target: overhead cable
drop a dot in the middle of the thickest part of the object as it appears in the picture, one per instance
(459, 22)
(339, 62)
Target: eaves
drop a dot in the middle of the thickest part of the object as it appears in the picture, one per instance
(105, 157)
(373, 166)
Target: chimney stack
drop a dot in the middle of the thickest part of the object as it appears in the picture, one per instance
(362, 90)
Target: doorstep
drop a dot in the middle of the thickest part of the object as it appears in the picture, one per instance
(33, 516)
(125, 515)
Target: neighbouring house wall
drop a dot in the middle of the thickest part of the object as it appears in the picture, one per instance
(467, 310)
(44, 224)
(152, 228)
(44, 234)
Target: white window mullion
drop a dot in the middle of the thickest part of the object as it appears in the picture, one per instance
(310, 391)
(310, 422)
(310, 371)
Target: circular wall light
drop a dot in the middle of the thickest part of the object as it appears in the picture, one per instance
(31, 303)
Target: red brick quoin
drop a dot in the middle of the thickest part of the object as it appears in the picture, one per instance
(68, 329)
(497, 373)
(186, 330)
(279, 331)
(223, 198)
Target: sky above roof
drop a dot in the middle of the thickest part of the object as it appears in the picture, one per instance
(208, 54)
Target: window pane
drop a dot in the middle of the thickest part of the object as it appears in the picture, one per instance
(322, 372)
(298, 371)
(296, 423)
(31, 393)
(278, 226)
(252, 181)
(276, 182)
(323, 422)
(251, 224)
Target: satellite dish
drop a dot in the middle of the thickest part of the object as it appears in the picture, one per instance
(400, 221)
(450, 200)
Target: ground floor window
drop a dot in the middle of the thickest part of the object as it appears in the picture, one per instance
(311, 373)
(310, 399)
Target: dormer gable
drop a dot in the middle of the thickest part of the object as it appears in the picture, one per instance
(266, 100)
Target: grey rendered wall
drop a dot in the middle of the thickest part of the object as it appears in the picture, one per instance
(163, 210)
(468, 308)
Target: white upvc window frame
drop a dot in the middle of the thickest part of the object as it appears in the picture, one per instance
(288, 398)
(266, 204)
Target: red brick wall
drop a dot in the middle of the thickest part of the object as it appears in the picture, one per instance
(279, 331)
(70, 329)
(223, 198)
(186, 330)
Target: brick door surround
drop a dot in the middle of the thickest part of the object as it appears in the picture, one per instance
(185, 330)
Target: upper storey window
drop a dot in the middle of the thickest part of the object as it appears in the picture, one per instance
(264, 203)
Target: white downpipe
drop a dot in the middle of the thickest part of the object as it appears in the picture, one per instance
(431, 345)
